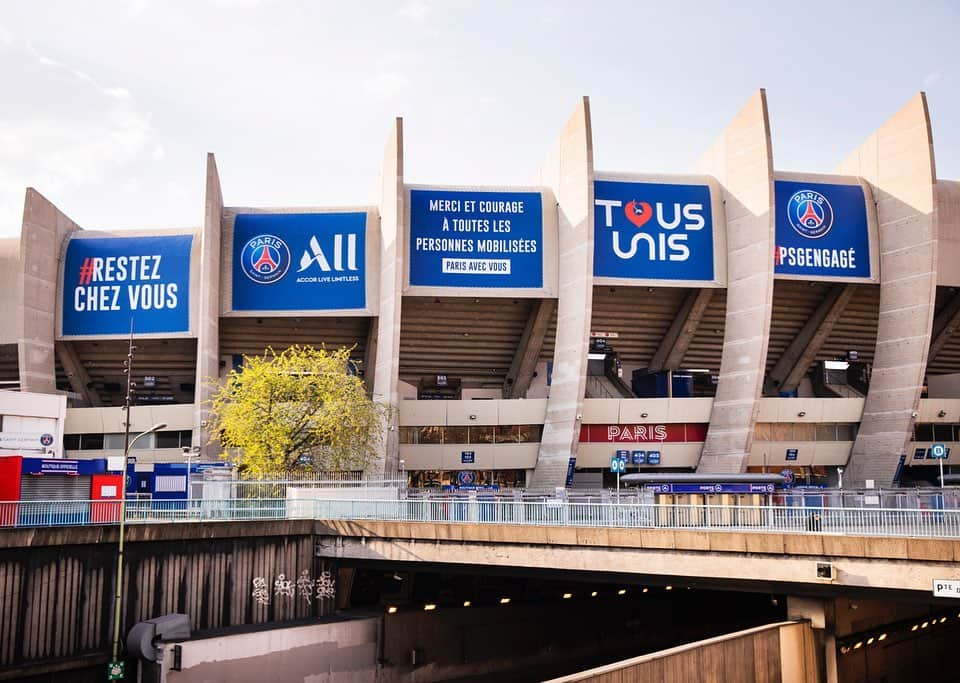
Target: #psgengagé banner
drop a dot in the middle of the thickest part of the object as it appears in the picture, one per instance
(107, 281)
(821, 229)
(465, 238)
(299, 262)
(652, 231)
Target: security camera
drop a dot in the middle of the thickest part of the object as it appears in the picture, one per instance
(579, 416)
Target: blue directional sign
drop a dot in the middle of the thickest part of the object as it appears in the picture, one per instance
(465, 238)
(792, 453)
(467, 457)
(107, 281)
(939, 451)
(639, 457)
(821, 230)
(652, 231)
(299, 262)
(617, 465)
(653, 457)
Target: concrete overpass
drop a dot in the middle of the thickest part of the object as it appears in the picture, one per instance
(55, 576)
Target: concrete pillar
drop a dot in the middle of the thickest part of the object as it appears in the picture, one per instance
(673, 347)
(207, 307)
(528, 351)
(897, 160)
(741, 159)
(41, 256)
(569, 172)
(77, 374)
(386, 383)
(821, 613)
(803, 349)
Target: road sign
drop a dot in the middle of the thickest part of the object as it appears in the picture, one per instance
(617, 465)
(653, 457)
(792, 453)
(938, 451)
(467, 457)
(946, 588)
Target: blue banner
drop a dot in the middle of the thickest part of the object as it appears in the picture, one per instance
(651, 231)
(299, 261)
(109, 280)
(63, 466)
(821, 230)
(461, 238)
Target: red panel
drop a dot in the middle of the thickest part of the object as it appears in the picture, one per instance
(646, 433)
(696, 433)
(10, 466)
(105, 512)
(10, 477)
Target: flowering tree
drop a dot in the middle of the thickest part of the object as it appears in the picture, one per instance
(302, 408)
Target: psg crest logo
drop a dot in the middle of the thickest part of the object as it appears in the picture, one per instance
(265, 259)
(810, 214)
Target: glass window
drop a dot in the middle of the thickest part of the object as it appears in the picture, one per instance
(91, 442)
(804, 431)
(762, 431)
(924, 432)
(827, 432)
(456, 434)
(508, 434)
(846, 432)
(408, 434)
(529, 433)
(481, 434)
(186, 437)
(114, 442)
(942, 432)
(143, 442)
(782, 431)
(167, 440)
(431, 435)
(71, 442)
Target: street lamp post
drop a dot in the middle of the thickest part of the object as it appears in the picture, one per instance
(127, 445)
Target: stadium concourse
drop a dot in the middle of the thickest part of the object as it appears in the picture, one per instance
(736, 318)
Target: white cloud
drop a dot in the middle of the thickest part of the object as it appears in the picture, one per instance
(417, 10)
(385, 85)
(931, 79)
(65, 130)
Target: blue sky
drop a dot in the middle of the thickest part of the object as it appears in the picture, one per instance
(110, 107)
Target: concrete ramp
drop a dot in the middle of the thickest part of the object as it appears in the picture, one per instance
(785, 652)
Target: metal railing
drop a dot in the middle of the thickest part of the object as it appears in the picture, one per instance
(923, 523)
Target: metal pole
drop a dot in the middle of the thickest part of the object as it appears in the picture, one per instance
(123, 497)
(940, 460)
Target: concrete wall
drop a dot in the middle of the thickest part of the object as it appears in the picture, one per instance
(728, 557)
(785, 653)
(41, 256)
(34, 414)
(569, 172)
(897, 161)
(741, 159)
(340, 651)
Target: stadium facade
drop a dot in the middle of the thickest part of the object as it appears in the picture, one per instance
(735, 318)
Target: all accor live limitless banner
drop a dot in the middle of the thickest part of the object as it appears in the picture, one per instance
(466, 238)
(107, 281)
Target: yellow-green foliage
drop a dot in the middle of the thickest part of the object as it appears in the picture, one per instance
(301, 401)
